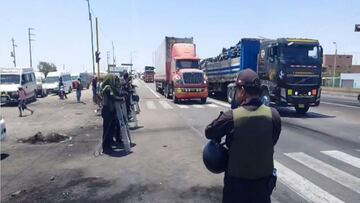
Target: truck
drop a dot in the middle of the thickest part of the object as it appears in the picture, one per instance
(149, 74)
(289, 70)
(178, 75)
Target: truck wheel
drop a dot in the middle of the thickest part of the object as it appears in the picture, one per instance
(301, 110)
(176, 100)
(203, 100)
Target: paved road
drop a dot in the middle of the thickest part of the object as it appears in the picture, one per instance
(317, 155)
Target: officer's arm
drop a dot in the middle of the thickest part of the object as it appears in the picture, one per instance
(220, 127)
(276, 120)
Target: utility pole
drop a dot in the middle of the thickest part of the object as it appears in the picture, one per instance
(131, 63)
(97, 47)
(13, 51)
(30, 39)
(333, 80)
(108, 58)
(113, 52)
(92, 37)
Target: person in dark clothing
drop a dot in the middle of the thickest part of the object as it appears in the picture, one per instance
(94, 86)
(111, 126)
(251, 132)
(61, 87)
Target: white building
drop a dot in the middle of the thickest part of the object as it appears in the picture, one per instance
(350, 80)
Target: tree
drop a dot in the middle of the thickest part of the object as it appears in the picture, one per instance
(46, 67)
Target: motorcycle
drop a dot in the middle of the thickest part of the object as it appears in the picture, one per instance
(62, 93)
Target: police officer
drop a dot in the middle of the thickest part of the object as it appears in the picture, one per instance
(251, 132)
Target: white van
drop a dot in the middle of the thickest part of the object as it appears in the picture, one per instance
(12, 79)
(40, 77)
(51, 83)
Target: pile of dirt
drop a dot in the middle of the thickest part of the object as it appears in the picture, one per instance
(39, 138)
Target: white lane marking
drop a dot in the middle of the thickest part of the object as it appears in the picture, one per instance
(212, 105)
(341, 156)
(150, 105)
(302, 186)
(151, 90)
(165, 104)
(224, 104)
(342, 105)
(198, 106)
(182, 106)
(327, 170)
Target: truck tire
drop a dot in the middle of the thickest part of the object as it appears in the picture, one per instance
(301, 110)
(203, 100)
(175, 99)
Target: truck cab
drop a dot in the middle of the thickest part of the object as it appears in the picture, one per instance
(290, 72)
(187, 79)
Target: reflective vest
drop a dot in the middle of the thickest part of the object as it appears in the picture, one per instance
(251, 149)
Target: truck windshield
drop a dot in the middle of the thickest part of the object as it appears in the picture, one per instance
(10, 79)
(52, 79)
(298, 54)
(187, 64)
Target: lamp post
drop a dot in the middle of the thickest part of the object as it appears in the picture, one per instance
(333, 78)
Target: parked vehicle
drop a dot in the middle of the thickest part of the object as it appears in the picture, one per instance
(40, 77)
(149, 74)
(289, 70)
(359, 97)
(51, 83)
(2, 128)
(178, 75)
(86, 79)
(12, 79)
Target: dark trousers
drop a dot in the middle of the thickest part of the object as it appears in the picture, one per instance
(238, 190)
(110, 123)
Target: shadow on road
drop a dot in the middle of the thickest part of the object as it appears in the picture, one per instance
(290, 113)
(4, 156)
(118, 150)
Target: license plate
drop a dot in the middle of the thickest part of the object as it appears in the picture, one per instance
(301, 106)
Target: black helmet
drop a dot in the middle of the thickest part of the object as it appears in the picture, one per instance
(215, 157)
(248, 78)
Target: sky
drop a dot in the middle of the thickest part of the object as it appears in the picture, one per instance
(137, 27)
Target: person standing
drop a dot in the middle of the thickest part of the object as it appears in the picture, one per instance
(251, 132)
(22, 102)
(78, 87)
(62, 88)
(94, 88)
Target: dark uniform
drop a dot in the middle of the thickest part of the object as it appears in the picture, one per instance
(111, 126)
(251, 132)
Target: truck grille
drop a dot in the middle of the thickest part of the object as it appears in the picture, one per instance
(193, 78)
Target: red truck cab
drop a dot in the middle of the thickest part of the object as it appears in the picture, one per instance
(188, 80)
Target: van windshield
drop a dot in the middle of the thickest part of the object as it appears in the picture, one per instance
(52, 79)
(10, 79)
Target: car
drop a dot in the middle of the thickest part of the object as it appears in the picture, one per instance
(359, 97)
(2, 128)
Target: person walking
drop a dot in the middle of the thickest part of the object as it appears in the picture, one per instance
(78, 87)
(62, 92)
(251, 132)
(22, 102)
(94, 88)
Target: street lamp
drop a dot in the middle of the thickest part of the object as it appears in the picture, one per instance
(333, 80)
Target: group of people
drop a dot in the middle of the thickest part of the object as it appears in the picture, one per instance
(105, 93)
